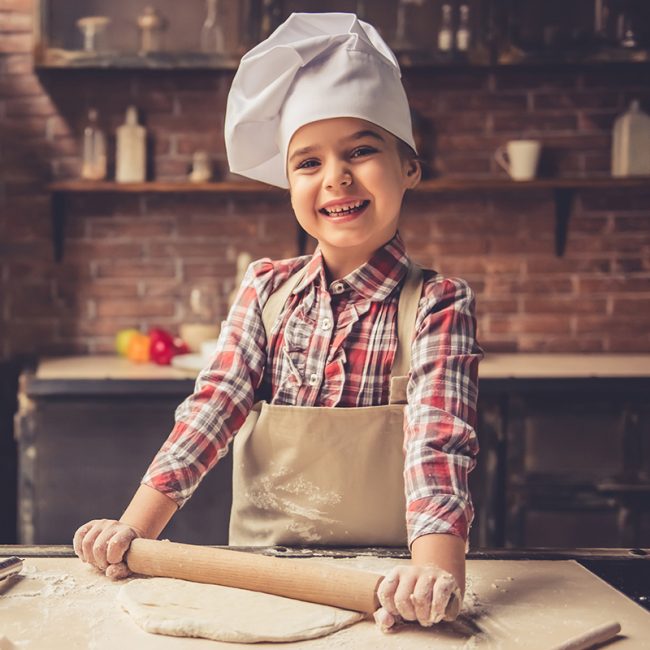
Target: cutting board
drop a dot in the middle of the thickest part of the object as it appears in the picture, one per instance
(61, 603)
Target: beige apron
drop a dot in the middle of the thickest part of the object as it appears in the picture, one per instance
(322, 475)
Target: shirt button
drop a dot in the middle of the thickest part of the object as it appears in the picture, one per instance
(338, 287)
(326, 324)
(313, 379)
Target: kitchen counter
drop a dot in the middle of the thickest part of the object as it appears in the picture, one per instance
(91, 424)
(493, 366)
(519, 600)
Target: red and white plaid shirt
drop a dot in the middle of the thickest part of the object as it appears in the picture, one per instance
(333, 345)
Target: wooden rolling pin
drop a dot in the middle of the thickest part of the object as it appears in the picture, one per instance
(315, 582)
(597, 635)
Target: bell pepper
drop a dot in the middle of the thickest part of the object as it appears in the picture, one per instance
(137, 349)
(164, 346)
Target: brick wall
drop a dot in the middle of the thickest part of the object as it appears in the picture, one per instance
(132, 260)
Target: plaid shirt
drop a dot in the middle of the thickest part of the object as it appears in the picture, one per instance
(333, 345)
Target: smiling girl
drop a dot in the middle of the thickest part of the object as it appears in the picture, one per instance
(348, 378)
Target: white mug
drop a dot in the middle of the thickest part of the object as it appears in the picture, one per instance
(519, 158)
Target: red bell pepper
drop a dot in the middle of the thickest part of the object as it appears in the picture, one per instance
(164, 346)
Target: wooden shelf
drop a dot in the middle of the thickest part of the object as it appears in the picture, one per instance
(437, 185)
(61, 59)
(159, 187)
(607, 55)
(563, 193)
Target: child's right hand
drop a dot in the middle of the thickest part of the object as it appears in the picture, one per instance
(103, 543)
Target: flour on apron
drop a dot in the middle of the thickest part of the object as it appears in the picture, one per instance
(332, 476)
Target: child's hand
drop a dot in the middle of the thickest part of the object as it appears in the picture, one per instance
(423, 593)
(103, 543)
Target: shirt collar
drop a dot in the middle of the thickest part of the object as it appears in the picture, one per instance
(375, 280)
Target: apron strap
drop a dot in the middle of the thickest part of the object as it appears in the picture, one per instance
(407, 311)
(276, 301)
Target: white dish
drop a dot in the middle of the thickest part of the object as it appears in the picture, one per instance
(192, 362)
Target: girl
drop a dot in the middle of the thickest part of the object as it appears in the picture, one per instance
(349, 376)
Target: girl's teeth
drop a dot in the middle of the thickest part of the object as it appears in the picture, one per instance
(345, 210)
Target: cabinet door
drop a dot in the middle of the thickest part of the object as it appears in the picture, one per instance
(83, 458)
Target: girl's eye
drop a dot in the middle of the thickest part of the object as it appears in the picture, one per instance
(362, 151)
(305, 164)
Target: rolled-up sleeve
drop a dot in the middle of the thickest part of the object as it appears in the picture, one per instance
(440, 442)
(223, 394)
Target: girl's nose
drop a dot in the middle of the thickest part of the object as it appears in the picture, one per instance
(337, 176)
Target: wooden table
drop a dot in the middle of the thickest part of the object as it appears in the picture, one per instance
(527, 603)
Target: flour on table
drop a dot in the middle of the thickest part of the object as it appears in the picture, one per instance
(31, 582)
(188, 609)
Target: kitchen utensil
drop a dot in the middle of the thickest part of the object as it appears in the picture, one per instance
(10, 566)
(315, 582)
(597, 635)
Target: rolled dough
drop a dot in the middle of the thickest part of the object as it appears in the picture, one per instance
(181, 608)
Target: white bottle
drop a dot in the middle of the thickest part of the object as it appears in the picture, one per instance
(463, 32)
(445, 36)
(130, 164)
(93, 157)
(631, 143)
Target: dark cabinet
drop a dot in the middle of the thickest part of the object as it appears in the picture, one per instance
(564, 461)
(84, 448)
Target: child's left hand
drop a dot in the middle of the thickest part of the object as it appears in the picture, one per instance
(423, 593)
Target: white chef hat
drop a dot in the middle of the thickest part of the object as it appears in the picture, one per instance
(312, 67)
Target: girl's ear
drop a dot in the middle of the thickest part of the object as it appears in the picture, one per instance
(413, 173)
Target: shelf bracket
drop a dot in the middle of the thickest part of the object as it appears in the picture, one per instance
(58, 223)
(564, 197)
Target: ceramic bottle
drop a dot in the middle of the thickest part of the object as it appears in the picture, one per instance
(631, 143)
(130, 163)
